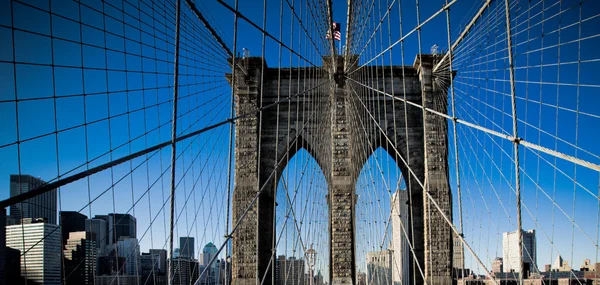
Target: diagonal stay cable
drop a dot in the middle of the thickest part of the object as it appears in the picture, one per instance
(61, 182)
(521, 141)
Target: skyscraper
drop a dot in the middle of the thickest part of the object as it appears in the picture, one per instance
(289, 271)
(186, 247)
(98, 228)
(119, 225)
(150, 271)
(71, 221)
(510, 251)
(41, 244)
(401, 250)
(40, 206)
(162, 256)
(208, 252)
(184, 271)
(129, 249)
(80, 258)
(497, 265)
(379, 267)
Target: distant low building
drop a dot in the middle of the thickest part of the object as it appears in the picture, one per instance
(587, 266)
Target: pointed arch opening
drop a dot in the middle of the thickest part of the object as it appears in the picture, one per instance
(301, 216)
(382, 222)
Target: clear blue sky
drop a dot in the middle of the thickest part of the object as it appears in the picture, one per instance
(127, 76)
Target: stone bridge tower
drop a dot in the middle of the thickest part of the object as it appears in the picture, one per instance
(319, 115)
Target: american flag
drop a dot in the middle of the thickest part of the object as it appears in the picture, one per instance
(337, 35)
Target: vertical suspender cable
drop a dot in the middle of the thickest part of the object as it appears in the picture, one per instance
(173, 137)
(515, 142)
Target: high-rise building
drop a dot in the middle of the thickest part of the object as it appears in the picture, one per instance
(361, 278)
(150, 271)
(40, 206)
(98, 228)
(111, 264)
(184, 271)
(208, 253)
(319, 278)
(41, 244)
(497, 265)
(223, 272)
(162, 258)
(70, 222)
(129, 249)
(458, 259)
(186, 247)
(510, 252)
(12, 270)
(379, 267)
(289, 271)
(119, 225)
(400, 248)
(80, 255)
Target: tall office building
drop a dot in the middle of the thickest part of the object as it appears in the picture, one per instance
(150, 271)
(401, 250)
(497, 265)
(186, 247)
(162, 258)
(70, 222)
(184, 271)
(41, 244)
(118, 226)
(129, 249)
(40, 206)
(99, 230)
(208, 252)
(458, 255)
(80, 258)
(289, 271)
(510, 251)
(379, 267)
(111, 264)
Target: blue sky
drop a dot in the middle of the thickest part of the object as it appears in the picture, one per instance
(120, 55)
